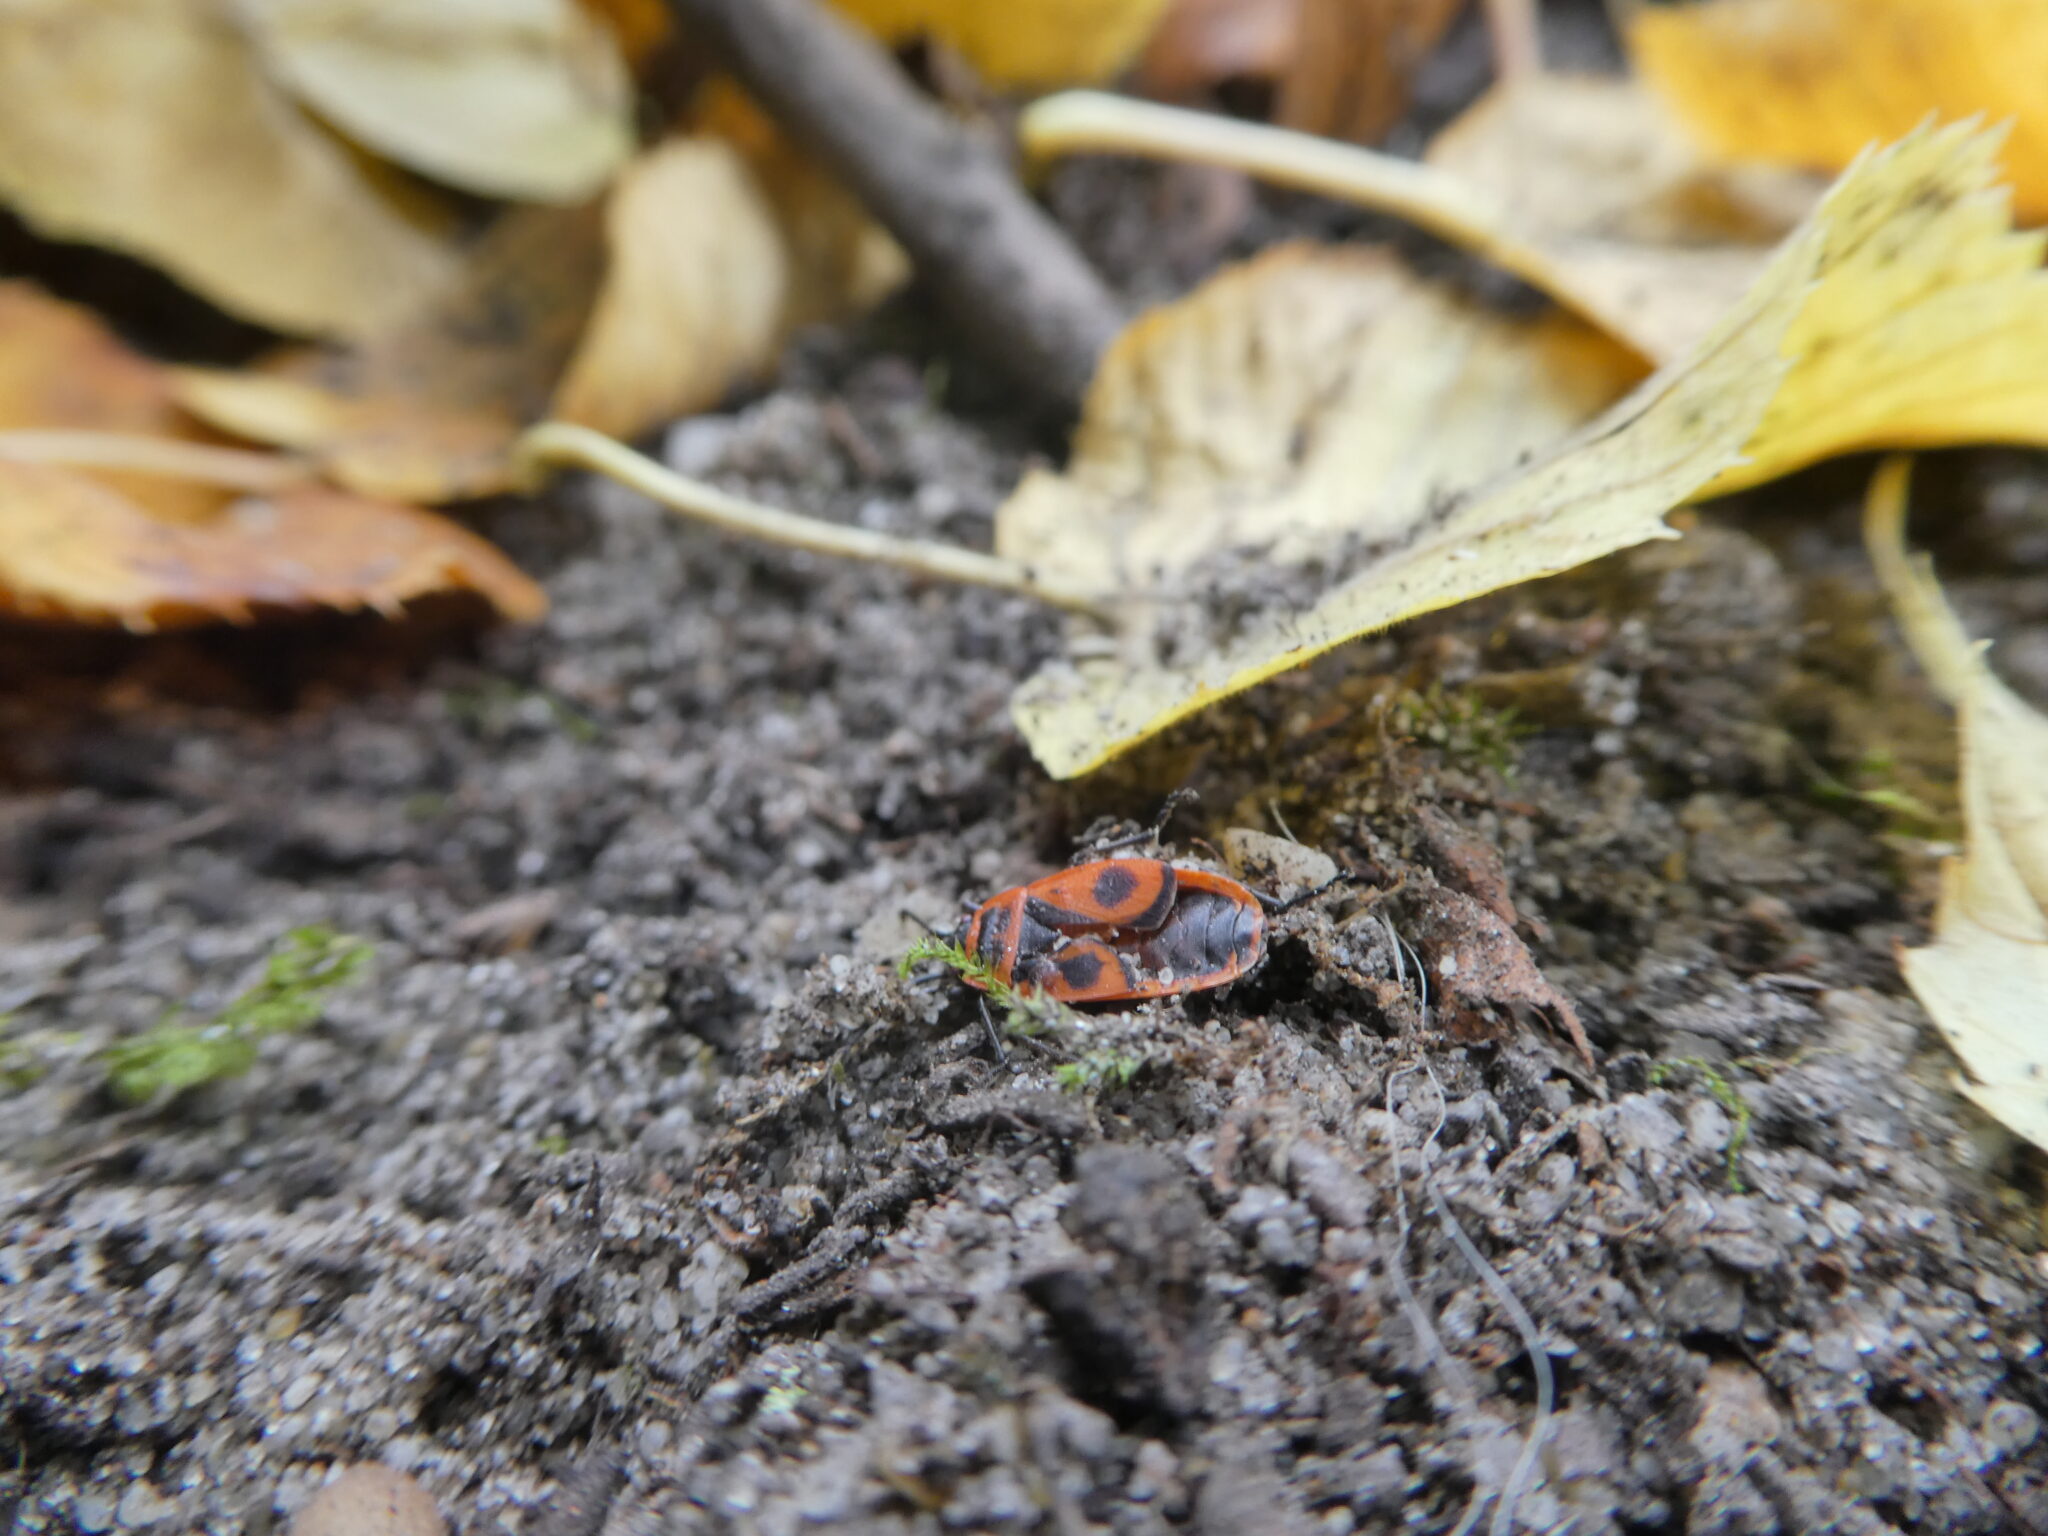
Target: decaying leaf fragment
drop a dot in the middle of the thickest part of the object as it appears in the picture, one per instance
(1984, 979)
(156, 550)
(1815, 82)
(1021, 43)
(510, 98)
(426, 410)
(148, 126)
(1159, 508)
(708, 252)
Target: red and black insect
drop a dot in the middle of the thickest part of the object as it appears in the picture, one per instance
(1117, 930)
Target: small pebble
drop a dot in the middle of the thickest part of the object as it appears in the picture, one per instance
(370, 1500)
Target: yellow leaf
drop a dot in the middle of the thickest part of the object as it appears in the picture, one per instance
(146, 125)
(1029, 44)
(1635, 231)
(1934, 330)
(715, 258)
(1815, 82)
(427, 409)
(510, 98)
(1902, 232)
(152, 550)
(1984, 979)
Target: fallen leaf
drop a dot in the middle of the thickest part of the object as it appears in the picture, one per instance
(61, 369)
(1201, 491)
(72, 550)
(1932, 331)
(708, 253)
(427, 410)
(148, 551)
(147, 126)
(717, 255)
(1202, 43)
(1984, 978)
(509, 98)
(1635, 230)
(1348, 75)
(1025, 44)
(1815, 82)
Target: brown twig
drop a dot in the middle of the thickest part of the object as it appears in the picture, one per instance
(1002, 270)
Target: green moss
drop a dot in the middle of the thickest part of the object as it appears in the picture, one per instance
(1724, 1094)
(1098, 1070)
(1459, 724)
(174, 1055)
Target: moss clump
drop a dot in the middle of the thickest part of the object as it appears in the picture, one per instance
(174, 1055)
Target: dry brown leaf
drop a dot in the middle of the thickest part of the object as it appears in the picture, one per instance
(716, 257)
(150, 551)
(1984, 979)
(509, 98)
(1348, 76)
(427, 410)
(709, 252)
(1201, 43)
(1028, 44)
(1816, 82)
(146, 125)
(1186, 448)
(73, 550)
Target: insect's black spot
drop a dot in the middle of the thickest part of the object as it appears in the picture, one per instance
(1080, 970)
(1114, 885)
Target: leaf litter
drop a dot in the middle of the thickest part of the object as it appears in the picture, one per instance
(1886, 317)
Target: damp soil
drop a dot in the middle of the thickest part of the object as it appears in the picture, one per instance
(631, 1190)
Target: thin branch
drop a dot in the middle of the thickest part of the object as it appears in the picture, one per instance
(1004, 273)
(140, 453)
(556, 443)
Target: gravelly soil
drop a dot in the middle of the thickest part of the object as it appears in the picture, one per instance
(631, 1191)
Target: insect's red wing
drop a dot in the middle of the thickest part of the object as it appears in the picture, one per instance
(1132, 894)
(1083, 970)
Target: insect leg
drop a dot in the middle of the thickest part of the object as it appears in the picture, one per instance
(995, 1038)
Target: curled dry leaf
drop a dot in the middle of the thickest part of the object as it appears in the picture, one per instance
(1028, 44)
(147, 126)
(1815, 82)
(151, 551)
(1985, 976)
(510, 98)
(708, 253)
(1187, 450)
(427, 409)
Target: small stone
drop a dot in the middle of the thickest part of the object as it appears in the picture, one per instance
(143, 1505)
(93, 1513)
(300, 1392)
(2010, 1428)
(1153, 1471)
(370, 1500)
